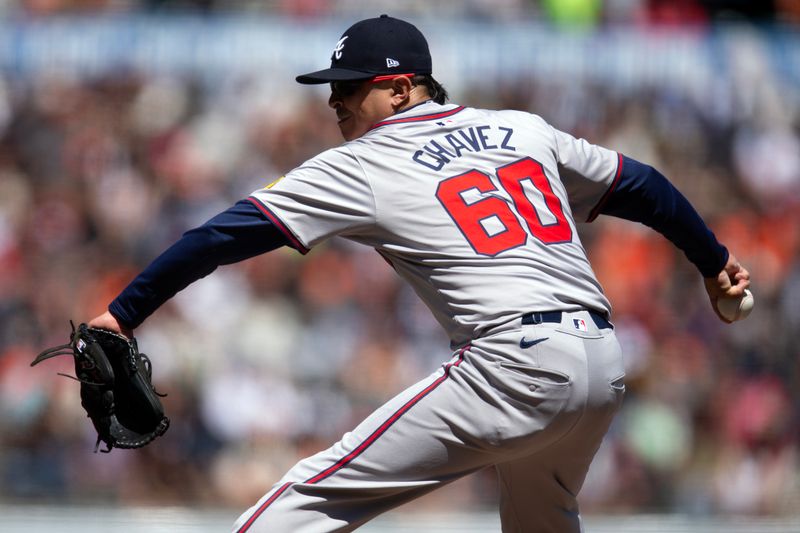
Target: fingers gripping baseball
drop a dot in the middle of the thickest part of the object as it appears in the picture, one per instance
(729, 292)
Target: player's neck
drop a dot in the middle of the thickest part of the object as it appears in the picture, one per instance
(417, 96)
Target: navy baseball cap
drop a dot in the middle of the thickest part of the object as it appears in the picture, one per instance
(375, 47)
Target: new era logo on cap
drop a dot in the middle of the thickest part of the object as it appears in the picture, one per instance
(375, 47)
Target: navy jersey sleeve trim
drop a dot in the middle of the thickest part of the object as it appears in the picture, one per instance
(598, 208)
(642, 194)
(236, 234)
(293, 241)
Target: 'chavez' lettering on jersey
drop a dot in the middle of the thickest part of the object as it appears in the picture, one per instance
(436, 153)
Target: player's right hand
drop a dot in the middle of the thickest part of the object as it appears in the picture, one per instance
(730, 283)
(110, 322)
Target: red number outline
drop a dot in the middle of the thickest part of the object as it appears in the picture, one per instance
(527, 169)
(468, 216)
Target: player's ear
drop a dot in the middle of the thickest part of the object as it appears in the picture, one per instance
(401, 91)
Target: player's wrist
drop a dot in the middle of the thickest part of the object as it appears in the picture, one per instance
(123, 325)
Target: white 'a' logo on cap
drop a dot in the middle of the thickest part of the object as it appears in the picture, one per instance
(337, 51)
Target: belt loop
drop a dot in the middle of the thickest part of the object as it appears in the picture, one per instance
(540, 317)
(531, 318)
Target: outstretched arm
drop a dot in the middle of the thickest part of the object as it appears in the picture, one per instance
(643, 194)
(239, 233)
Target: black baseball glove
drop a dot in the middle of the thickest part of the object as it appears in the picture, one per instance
(116, 388)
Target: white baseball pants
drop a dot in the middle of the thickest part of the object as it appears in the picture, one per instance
(532, 400)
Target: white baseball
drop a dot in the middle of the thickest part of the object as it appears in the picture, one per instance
(734, 309)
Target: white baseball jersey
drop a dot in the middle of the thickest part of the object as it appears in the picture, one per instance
(474, 208)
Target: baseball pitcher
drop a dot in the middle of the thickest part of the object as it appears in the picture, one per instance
(477, 211)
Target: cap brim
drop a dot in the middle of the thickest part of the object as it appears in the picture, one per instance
(332, 74)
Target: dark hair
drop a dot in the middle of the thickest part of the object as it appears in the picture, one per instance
(435, 89)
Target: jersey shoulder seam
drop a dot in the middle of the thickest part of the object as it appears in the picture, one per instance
(368, 180)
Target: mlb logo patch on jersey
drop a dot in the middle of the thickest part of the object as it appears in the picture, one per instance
(580, 324)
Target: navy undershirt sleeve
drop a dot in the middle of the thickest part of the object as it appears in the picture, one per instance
(233, 235)
(642, 194)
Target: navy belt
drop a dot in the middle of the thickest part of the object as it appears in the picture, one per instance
(555, 317)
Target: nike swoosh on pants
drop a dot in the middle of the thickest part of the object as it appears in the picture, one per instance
(527, 344)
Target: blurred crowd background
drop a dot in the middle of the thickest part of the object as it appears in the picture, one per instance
(570, 12)
(269, 360)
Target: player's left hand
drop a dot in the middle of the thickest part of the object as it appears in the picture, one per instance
(730, 283)
(116, 387)
(109, 322)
